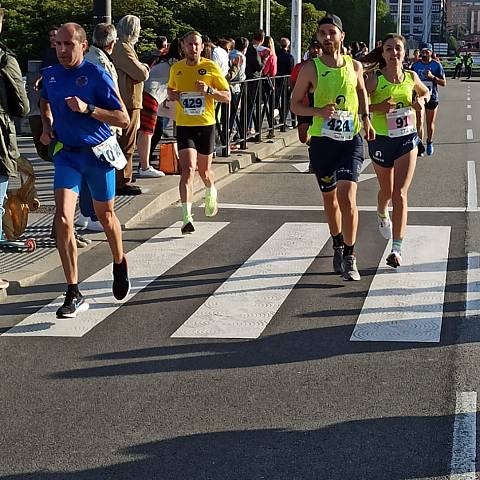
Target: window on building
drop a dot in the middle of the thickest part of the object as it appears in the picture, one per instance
(405, 18)
(418, 20)
(405, 8)
(417, 29)
(393, 8)
(418, 9)
(405, 29)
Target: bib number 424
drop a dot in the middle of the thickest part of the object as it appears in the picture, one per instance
(339, 127)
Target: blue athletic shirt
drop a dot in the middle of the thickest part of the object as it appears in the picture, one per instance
(422, 70)
(91, 84)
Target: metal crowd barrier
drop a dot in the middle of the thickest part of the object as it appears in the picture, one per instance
(258, 108)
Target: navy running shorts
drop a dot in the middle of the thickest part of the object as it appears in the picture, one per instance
(385, 150)
(333, 160)
(431, 105)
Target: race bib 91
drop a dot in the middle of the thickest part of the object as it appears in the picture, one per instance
(339, 127)
(401, 122)
(193, 103)
(109, 151)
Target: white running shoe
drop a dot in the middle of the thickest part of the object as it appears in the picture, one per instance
(81, 221)
(150, 172)
(385, 227)
(94, 226)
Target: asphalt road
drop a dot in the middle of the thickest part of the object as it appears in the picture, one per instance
(125, 400)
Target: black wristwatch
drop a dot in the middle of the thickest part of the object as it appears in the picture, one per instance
(366, 115)
(90, 109)
(209, 91)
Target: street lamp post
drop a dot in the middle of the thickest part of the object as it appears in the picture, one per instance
(399, 17)
(267, 17)
(296, 31)
(261, 14)
(373, 23)
(102, 11)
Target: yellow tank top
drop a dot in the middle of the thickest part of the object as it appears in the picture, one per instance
(401, 94)
(338, 86)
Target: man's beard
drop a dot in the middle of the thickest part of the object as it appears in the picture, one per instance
(330, 48)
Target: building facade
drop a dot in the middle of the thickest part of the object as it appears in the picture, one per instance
(463, 17)
(422, 20)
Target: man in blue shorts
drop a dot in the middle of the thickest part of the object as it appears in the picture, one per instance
(78, 105)
(431, 73)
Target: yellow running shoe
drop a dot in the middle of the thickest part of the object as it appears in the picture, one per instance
(211, 206)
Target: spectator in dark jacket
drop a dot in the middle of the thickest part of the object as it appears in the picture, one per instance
(285, 59)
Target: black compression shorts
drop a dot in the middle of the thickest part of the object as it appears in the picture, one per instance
(201, 138)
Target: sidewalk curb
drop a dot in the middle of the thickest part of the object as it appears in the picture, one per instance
(154, 199)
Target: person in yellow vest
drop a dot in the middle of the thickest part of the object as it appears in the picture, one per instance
(336, 146)
(195, 84)
(458, 65)
(394, 150)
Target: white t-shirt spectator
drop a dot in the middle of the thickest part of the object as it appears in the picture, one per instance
(220, 57)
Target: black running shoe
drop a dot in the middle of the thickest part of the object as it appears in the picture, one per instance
(394, 260)
(421, 149)
(121, 282)
(74, 303)
(188, 228)
(338, 259)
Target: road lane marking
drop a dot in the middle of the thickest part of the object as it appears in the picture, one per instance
(469, 118)
(468, 99)
(365, 164)
(472, 197)
(320, 208)
(462, 466)
(469, 134)
(469, 106)
(301, 167)
(473, 285)
(146, 262)
(406, 304)
(246, 302)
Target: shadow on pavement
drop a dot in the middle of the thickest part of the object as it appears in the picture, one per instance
(395, 448)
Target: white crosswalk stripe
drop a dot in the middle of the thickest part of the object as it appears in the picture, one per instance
(404, 305)
(407, 305)
(146, 263)
(246, 302)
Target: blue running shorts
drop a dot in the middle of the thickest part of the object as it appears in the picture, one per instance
(385, 150)
(333, 160)
(71, 167)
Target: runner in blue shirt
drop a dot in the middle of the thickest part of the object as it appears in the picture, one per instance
(78, 103)
(432, 75)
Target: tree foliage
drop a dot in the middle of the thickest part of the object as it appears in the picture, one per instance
(27, 21)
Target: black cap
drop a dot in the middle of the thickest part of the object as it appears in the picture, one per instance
(314, 44)
(331, 19)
